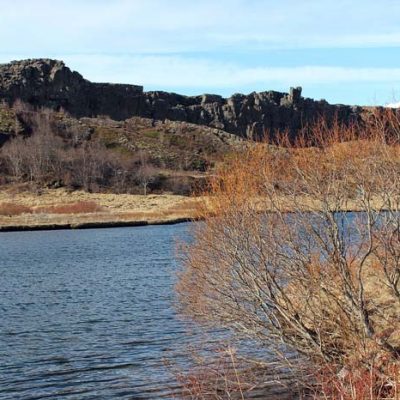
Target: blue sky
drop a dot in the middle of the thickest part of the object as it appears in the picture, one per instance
(343, 51)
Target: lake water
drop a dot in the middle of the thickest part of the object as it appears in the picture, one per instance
(88, 314)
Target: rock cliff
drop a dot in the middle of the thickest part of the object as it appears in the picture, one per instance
(49, 83)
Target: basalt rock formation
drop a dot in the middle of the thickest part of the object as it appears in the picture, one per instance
(49, 83)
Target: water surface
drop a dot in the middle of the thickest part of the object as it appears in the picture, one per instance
(88, 314)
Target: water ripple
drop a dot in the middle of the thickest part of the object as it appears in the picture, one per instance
(88, 314)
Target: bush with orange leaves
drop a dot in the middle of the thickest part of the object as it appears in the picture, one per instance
(278, 259)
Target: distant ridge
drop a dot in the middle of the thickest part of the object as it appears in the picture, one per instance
(50, 83)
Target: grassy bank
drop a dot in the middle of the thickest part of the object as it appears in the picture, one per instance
(62, 209)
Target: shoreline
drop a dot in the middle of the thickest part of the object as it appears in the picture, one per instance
(56, 209)
(111, 223)
(90, 225)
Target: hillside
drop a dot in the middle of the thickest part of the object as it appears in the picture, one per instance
(57, 129)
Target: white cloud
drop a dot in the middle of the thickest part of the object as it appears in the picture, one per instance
(166, 26)
(176, 44)
(393, 105)
(176, 71)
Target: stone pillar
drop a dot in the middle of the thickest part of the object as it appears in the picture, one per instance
(295, 94)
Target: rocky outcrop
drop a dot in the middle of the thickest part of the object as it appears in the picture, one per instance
(249, 116)
(49, 83)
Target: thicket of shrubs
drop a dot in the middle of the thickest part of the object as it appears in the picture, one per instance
(45, 155)
(279, 261)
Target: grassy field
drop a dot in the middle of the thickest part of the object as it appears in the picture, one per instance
(60, 207)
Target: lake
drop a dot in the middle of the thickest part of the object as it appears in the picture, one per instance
(89, 314)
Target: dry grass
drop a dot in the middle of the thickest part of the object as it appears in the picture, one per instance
(59, 206)
(80, 207)
(12, 209)
(110, 201)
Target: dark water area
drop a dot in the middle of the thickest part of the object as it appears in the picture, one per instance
(89, 314)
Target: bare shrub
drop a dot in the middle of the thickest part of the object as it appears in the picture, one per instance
(42, 157)
(278, 260)
(218, 371)
(213, 373)
(35, 158)
(357, 382)
(146, 173)
(15, 156)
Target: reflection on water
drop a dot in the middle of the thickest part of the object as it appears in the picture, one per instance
(88, 314)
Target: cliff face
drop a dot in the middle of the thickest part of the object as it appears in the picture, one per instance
(49, 83)
(248, 116)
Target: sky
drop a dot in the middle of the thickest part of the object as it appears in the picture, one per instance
(342, 51)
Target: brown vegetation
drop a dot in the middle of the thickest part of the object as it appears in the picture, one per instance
(45, 160)
(80, 207)
(213, 373)
(323, 283)
(53, 149)
(57, 207)
(11, 209)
